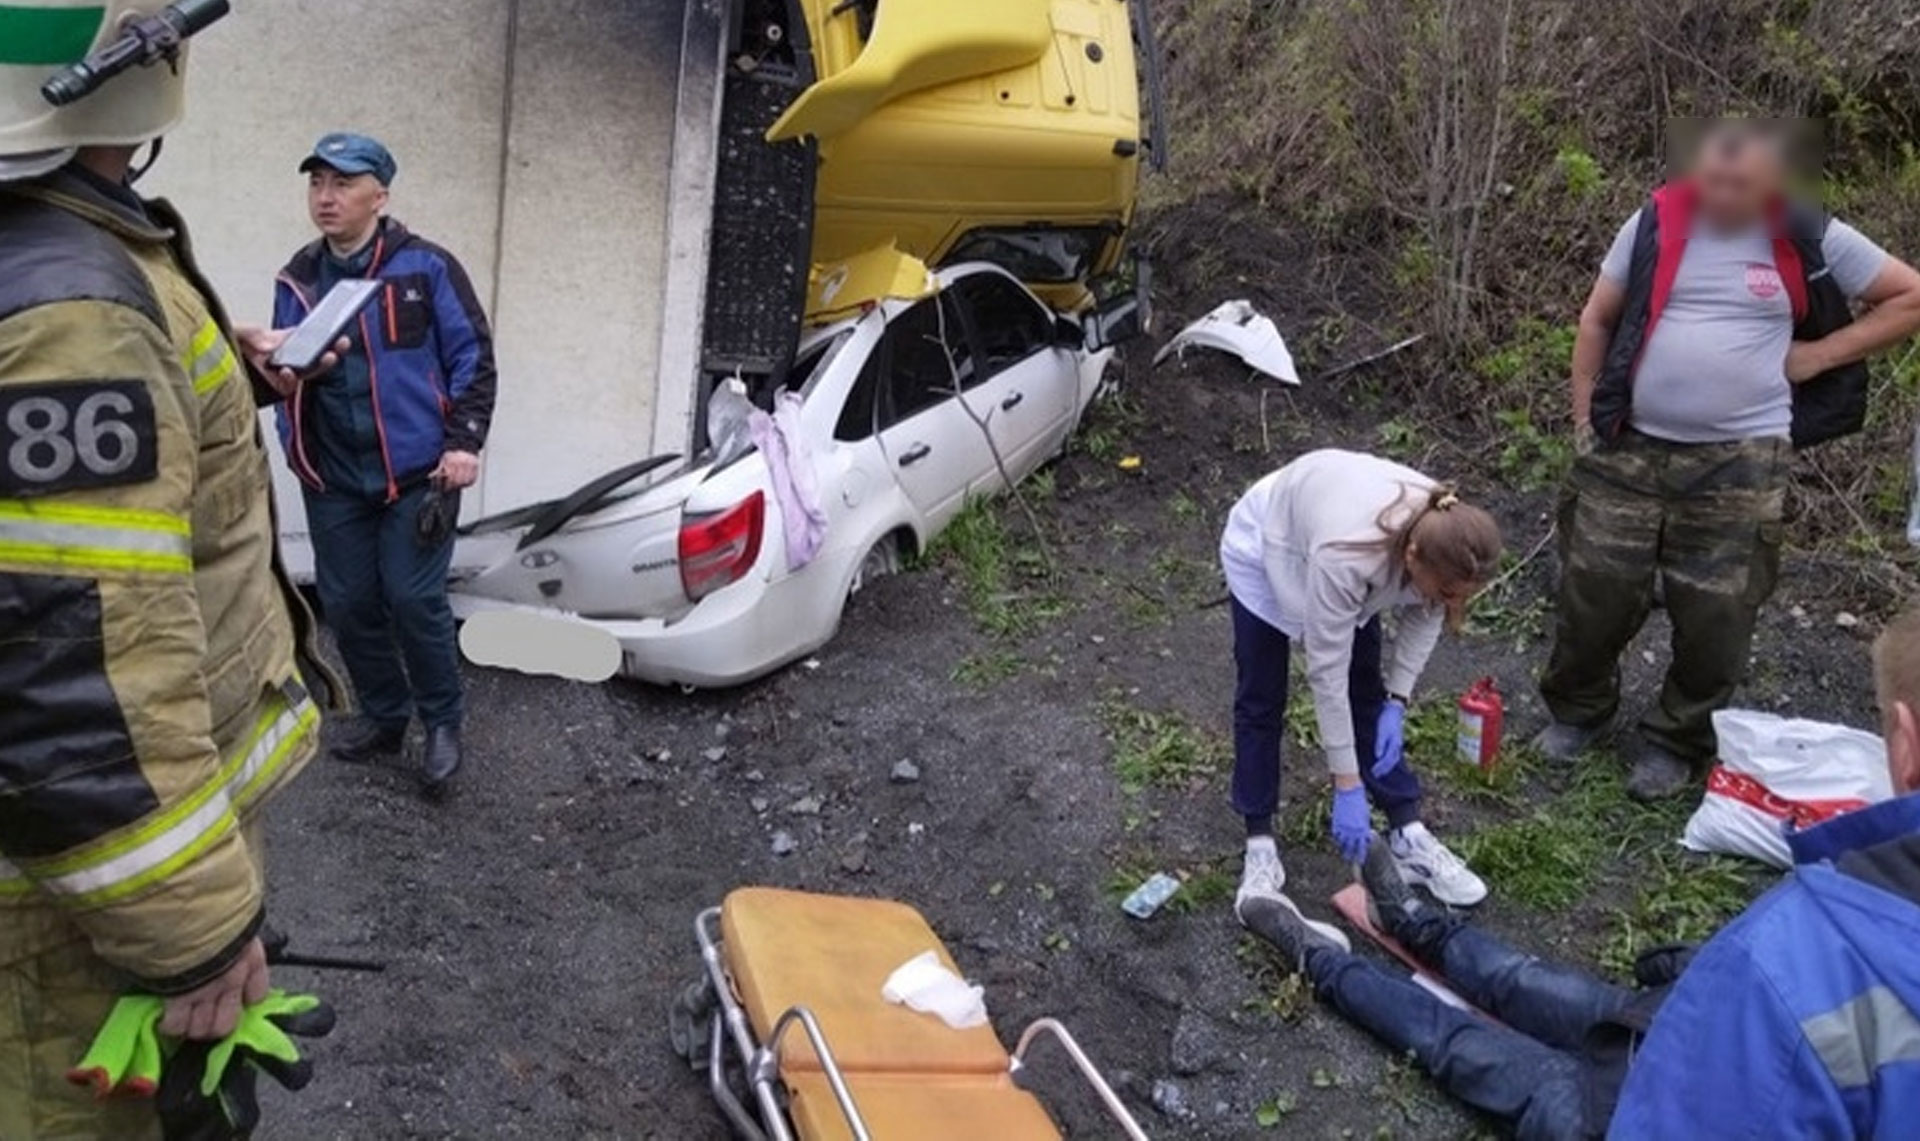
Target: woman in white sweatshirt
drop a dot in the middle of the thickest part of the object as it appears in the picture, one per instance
(1316, 552)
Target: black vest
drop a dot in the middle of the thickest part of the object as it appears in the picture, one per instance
(1830, 405)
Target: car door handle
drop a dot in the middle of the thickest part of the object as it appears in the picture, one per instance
(915, 454)
(1012, 402)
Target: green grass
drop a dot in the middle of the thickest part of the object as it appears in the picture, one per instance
(1005, 580)
(1204, 886)
(1159, 750)
(1544, 860)
(989, 668)
(1685, 899)
(1281, 989)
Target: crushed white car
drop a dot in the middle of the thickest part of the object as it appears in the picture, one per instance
(689, 577)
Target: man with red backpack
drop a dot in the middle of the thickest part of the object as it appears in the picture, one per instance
(1719, 336)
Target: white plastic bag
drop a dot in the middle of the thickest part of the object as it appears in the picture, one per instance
(729, 422)
(1778, 772)
(922, 984)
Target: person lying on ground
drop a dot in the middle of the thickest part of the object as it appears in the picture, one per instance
(1800, 1019)
(1715, 339)
(1317, 552)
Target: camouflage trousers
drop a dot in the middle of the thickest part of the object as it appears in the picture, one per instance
(1705, 518)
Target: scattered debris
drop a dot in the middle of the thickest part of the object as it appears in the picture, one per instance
(904, 772)
(759, 804)
(810, 664)
(916, 829)
(1236, 327)
(1130, 463)
(1846, 621)
(853, 858)
(1399, 346)
(1148, 898)
(784, 843)
(754, 776)
(805, 806)
(1171, 1100)
(716, 754)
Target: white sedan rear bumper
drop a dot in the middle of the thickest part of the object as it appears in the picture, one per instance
(735, 635)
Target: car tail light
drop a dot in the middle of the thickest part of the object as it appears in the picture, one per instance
(720, 547)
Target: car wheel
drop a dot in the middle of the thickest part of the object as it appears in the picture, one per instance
(881, 560)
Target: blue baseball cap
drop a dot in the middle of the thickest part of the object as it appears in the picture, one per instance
(349, 153)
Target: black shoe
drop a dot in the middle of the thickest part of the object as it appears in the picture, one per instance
(1276, 919)
(1392, 905)
(442, 758)
(1657, 774)
(363, 741)
(1564, 744)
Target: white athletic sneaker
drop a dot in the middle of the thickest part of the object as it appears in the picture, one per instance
(1263, 877)
(1426, 862)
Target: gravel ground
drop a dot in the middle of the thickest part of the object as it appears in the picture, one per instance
(539, 925)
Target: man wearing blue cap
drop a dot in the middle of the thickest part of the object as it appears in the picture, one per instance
(382, 446)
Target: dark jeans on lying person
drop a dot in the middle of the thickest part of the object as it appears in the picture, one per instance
(1262, 656)
(385, 597)
(1530, 1071)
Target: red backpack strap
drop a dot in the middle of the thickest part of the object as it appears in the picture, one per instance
(1673, 207)
(1787, 261)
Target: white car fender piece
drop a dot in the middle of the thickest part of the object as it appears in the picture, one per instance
(1237, 328)
(542, 643)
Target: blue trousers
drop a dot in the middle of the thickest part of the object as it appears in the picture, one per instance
(385, 597)
(1529, 1071)
(1262, 656)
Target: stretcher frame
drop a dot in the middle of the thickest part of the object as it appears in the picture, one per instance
(760, 1062)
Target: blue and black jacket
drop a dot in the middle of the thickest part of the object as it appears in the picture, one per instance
(428, 351)
(1802, 1017)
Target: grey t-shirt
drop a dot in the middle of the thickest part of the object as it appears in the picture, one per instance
(1715, 367)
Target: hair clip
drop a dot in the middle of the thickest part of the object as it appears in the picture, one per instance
(1445, 501)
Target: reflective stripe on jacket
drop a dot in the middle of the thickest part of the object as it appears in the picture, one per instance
(149, 694)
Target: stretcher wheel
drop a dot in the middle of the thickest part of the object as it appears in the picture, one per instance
(689, 1022)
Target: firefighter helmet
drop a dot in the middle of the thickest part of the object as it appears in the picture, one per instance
(39, 39)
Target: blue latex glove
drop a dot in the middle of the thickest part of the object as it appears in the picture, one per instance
(1390, 739)
(1352, 823)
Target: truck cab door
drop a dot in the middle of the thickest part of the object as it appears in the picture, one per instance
(936, 451)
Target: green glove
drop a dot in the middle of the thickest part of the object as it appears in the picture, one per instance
(125, 1055)
(262, 1032)
(207, 1093)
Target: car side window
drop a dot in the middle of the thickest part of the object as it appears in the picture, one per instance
(857, 415)
(922, 354)
(1009, 326)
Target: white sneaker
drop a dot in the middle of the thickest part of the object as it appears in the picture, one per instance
(1426, 862)
(1263, 876)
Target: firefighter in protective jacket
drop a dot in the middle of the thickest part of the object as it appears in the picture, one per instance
(151, 697)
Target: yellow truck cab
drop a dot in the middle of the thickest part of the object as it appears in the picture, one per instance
(1007, 131)
(998, 130)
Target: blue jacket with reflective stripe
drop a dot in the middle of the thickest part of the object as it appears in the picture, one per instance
(429, 350)
(1802, 1017)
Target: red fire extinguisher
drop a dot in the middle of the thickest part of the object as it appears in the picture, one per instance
(1481, 713)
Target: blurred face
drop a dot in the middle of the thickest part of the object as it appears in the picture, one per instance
(1739, 177)
(344, 207)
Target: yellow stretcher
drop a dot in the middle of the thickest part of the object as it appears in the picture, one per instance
(858, 1068)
